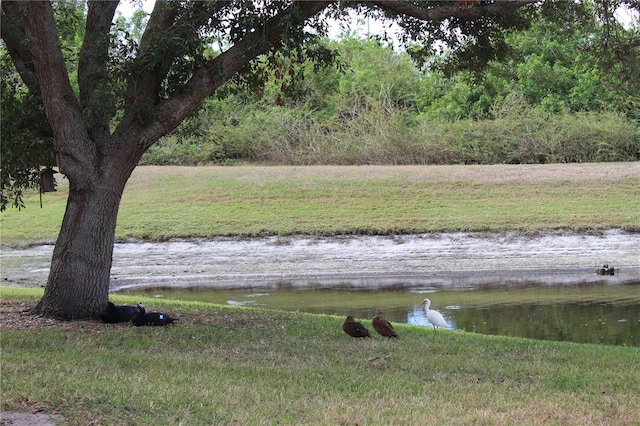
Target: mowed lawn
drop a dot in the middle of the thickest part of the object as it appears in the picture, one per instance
(248, 366)
(163, 202)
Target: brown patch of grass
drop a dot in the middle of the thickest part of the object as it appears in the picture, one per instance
(15, 315)
(596, 172)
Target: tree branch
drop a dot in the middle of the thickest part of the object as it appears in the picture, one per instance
(217, 71)
(156, 54)
(61, 106)
(149, 68)
(93, 74)
(15, 38)
(443, 12)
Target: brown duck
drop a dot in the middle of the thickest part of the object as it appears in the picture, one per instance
(382, 326)
(354, 329)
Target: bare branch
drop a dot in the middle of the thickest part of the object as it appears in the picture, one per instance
(93, 74)
(444, 12)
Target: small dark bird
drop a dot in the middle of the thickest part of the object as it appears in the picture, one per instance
(354, 328)
(152, 318)
(382, 326)
(606, 270)
(113, 314)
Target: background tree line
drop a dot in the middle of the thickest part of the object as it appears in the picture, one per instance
(553, 98)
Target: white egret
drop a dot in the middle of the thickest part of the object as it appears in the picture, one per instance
(435, 318)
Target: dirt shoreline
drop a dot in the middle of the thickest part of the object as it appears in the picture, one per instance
(453, 259)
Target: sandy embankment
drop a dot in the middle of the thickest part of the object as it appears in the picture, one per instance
(458, 259)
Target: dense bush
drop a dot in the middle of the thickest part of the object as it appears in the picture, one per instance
(547, 103)
(380, 136)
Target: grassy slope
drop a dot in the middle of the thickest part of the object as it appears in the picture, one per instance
(232, 365)
(166, 202)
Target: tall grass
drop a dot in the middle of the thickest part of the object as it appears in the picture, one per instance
(233, 365)
(386, 134)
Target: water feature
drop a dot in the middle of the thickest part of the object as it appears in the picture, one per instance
(539, 286)
(585, 313)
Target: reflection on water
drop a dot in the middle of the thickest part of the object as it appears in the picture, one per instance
(593, 313)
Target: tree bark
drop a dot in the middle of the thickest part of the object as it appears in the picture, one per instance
(78, 283)
(445, 12)
(97, 170)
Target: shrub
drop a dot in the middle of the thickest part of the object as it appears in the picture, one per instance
(384, 134)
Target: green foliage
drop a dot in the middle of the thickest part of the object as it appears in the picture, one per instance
(70, 16)
(557, 69)
(550, 100)
(384, 134)
(26, 142)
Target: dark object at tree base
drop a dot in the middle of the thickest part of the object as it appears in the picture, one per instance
(113, 314)
(156, 319)
(354, 328)
(606, 270)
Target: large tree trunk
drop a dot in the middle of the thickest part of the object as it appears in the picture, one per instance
(97, 167)
(78, 283)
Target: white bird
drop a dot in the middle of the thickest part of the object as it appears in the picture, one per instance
(434, 317)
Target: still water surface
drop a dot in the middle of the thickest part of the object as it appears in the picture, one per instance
(584, 313)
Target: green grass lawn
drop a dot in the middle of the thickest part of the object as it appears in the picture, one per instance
(166, 202)
(235, 365)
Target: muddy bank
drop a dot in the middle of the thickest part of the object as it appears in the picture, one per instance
(458, 259)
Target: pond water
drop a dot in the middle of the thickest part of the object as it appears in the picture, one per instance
(598, 312)
(542, 286)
